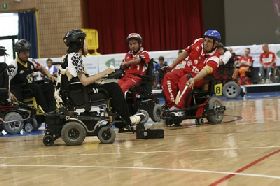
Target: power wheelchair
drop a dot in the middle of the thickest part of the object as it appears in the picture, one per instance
(202, 105)
(85, 111)
(141, 98)
(17, 116)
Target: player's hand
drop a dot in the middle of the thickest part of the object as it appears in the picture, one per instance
(109, 71)
(124, 64)
(190, 83)
(52, 78)
(13, 98)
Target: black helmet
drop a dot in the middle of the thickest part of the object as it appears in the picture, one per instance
(74, 36)
(3, 51)
(22, 45)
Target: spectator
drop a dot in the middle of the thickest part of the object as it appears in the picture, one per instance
(268, 61)
(51, 68)
(159, 73)
(183, 63)
(243, 65)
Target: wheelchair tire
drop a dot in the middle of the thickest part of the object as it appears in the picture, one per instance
(13, 127)
(48, 140)
(216, 117)
(169, 122)
(35, 124)
(231, 89)
(106, 135)
(28, 127)
(73, 133)
(156, 114)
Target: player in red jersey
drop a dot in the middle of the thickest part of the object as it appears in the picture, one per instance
(243, 64)
(134, 64)
(268, 61)
(202, 59)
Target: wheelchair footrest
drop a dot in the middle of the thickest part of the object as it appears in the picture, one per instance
(142, 133)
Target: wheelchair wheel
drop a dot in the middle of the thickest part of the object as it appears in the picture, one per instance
(231, 89)
(73, 133)
(155, 115)
(215, 116)
(168, 122)
(35, 124)
(48, 140)
(13, 123)
(106, 135)
(28, 127)
(177, 122)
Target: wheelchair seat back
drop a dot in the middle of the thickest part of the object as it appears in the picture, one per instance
(78, 95)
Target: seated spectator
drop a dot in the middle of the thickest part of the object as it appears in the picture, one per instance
(243, 64)
(268, 61)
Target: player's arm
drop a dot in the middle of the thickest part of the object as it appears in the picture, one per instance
(203, 73)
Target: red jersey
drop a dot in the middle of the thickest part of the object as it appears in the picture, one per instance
(141, 67)
(267, 59)
(245, 59)
(197, 59)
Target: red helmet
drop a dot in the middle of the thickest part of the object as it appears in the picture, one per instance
(135, 36)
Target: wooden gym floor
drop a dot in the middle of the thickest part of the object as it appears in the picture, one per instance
(244, 150)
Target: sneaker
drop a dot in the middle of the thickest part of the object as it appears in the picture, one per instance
(262, 81)
(137, 118)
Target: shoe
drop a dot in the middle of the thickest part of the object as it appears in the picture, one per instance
(137, 118)
(262, 81)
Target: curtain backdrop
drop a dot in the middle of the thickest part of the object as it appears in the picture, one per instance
(163, 24)
(27, 30)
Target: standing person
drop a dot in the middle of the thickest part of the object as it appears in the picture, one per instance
(22, 78)
(77, 47)
(158, 71)
(51, 68)
(134, 64)
(268, 62)
(202, 59)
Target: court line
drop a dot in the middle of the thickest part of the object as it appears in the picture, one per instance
(144, 168)
(143, 152)
(251, 164)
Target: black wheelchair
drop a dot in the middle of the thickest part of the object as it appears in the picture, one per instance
(140, 97)
(202, 105)
(17, 116)
(85, 112)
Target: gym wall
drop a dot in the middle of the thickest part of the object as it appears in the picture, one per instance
(251, 22)
(55, 18)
